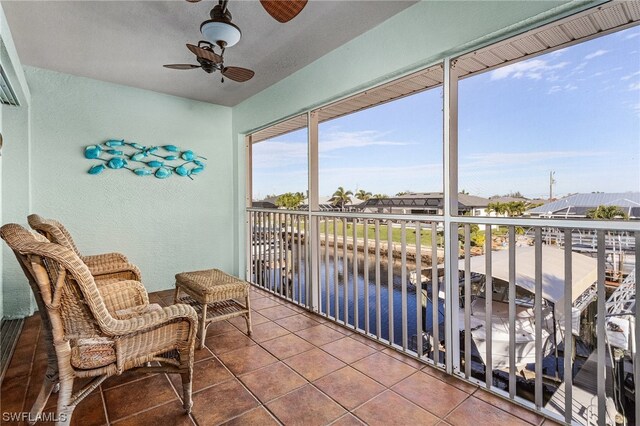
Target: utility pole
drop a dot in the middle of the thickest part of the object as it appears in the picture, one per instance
(551, 182)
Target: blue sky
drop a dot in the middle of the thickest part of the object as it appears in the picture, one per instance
(575, 111)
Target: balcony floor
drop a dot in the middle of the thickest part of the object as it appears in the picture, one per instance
(296, 368)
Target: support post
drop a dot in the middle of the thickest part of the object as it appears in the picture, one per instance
(450, 151)
(313, 290)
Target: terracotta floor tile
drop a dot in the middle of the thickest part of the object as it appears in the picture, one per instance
(126, 377)
(549, 422)
(171, 413)
(241, 324)
(244, 360)
(319, 408)
(314, 364)
(201, 354)
(286, 346)
(272, 381)
(348, 350)
(340, 328)
(320, 335)
(267, 331)
(220, 327)
(126, 400)
(228, 342)
(430, 393)
(389, 408)
(256, 417)
(90, 412)
(205, 373)
(454, 381)
(296, 322)
(347, 420)
(404, 358)
(12, 395)
(521, 412)
(383, 368)
(478, 412)
(165, 293)
(317, 318)
(221, 402)
(277, 312)
(263, 303)
(367, 341)
(349, 387)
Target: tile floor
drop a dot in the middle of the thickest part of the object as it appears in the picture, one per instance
(296, 369)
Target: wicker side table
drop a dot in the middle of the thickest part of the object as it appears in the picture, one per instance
(214, 295)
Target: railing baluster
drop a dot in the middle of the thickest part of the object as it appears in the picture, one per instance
(355, 274)
(435, 293)
(403, 280)
(418, 286)
(568, 327)
(377, 265)
(390, 280)
(281, 243)
(636, 361)
(600, 331)
(467, 300)
(270, 248)
(261, 242)
(335, 271)
(512, 312)
(365, 234)
(326, 266)
(538, 317)
(307, 260)
(488, 309)
(299, 255)
(345, 274)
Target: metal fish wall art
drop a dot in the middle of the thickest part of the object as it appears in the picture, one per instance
(160, 161)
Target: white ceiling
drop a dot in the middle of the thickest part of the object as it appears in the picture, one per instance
(127, 42)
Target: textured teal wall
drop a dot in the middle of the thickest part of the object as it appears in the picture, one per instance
(14, 176)
(163, 226)
(418, 36)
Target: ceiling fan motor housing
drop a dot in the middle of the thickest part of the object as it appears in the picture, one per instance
(219, 29)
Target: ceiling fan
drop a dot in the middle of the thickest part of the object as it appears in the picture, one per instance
(220, 32)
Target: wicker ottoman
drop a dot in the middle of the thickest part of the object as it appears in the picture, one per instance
(215, 296)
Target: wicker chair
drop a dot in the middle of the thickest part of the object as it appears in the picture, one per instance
(88, 340)
(105, 268)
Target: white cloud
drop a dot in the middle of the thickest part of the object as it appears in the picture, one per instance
(595, 54)
(632, 35)
(630, 76)
(534, 69)
(566, 87)
(277, 154)
(634, 86)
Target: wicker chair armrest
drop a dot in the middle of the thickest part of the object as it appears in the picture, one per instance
(152, 320)
(112, 264)
(105, 258)
(123, 295)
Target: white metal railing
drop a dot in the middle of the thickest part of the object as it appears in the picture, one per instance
(511, 323)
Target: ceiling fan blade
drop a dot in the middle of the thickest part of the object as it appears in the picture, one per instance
(238, 74)
(204, 53)
(283, 10)
(181, 66)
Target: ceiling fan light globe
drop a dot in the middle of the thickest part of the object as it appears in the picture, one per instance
(217, 31)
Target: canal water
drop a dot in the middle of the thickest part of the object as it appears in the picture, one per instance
(338, 275)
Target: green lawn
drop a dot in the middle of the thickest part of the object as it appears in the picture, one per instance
(396, 233)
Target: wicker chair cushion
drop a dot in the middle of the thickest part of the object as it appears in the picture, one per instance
(92, 353)
(137, 311)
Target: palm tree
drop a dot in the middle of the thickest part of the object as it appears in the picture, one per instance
(363, 195)
(341, 197)
(379, 196)
(607, 212)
